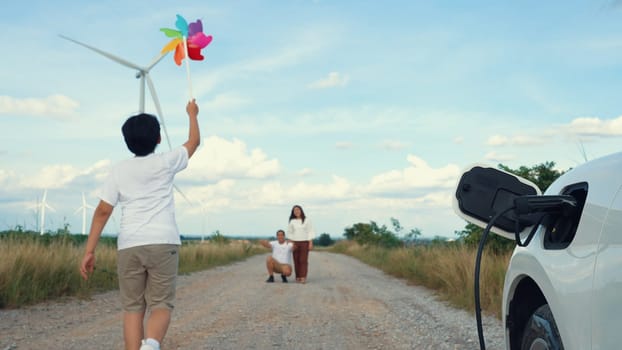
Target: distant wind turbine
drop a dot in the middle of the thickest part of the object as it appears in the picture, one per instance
(84, 207)
(42, 205)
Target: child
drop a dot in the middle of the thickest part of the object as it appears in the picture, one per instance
(148, 241)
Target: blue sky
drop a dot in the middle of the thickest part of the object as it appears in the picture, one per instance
(357, 110)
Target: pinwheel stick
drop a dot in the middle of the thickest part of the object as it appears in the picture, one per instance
(188, 68)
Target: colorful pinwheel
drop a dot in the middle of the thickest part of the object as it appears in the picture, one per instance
(187, 41)
(193, 36)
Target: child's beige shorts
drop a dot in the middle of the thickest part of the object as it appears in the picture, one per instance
(147, 276)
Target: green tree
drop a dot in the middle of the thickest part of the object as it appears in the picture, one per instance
(373, 234)
(543, 175)
(323, 240)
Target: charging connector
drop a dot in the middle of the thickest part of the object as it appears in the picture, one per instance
(564, 205)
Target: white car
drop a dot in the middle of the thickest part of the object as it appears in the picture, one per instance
(563, 289)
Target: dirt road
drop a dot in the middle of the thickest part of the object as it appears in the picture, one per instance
(344, 305)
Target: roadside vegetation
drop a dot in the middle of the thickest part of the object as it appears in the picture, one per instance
(36, 268)
(445, 267)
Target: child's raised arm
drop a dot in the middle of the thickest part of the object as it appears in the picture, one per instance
(194, 135)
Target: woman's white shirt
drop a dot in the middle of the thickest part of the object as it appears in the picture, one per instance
(300, 231)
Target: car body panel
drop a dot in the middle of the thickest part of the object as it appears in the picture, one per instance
(607, 310)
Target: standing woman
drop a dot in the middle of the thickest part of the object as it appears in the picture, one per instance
(301, 232)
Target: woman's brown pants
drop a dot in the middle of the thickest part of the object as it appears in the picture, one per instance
(301, 258)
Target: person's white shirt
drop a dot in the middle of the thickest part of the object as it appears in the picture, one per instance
(282, 252)
(143, 187)
(300, 231)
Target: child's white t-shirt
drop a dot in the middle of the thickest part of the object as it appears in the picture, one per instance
(143, 187)
(282, 252)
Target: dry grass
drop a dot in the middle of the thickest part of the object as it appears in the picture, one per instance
(33, 270)
(447, 269)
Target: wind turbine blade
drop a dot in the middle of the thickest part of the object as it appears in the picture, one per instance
(106, 54)
(156, 102)
(155, 61)
(182, 194)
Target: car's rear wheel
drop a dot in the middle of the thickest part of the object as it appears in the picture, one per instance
(541, 332)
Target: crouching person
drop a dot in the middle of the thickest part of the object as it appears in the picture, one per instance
(281, 259)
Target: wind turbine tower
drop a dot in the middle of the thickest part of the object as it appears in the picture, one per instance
(42, 207)
(84, 207)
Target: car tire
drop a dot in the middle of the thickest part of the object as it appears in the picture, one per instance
(541, 332)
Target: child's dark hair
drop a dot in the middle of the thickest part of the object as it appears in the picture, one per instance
(141, 133)
(302, 213)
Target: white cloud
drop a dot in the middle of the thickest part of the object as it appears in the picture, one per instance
(343, 145)
(218, 158)
(5, 175)
(393, 145)
(458, 140)
(334, 79)
(497, 140)
(62, 175)
(235, 195)
(209, 197)
(418, 176)
(52, 176)
(596, 127)
(339, 189)
(517, 140)
(51, 106)
(225, 102)
(496, 157)
(305, 172)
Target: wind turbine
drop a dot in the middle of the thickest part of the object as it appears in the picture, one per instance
(42, 205)
(84, 207)
(142, 73)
